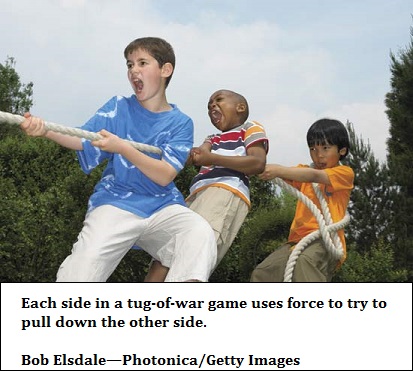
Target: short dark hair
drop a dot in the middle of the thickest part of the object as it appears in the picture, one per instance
(243, 100)
(329, 131)
(239, 99)
(158, 48)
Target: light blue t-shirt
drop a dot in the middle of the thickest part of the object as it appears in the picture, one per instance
(122, 184)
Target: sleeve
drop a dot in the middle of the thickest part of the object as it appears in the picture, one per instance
(176, 150)
(209, 139)
(341, 178)
(255, 133)
(90, 157)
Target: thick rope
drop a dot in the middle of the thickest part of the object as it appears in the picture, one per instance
(10, 118)
(327, 229)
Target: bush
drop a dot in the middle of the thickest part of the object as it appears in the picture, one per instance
(376, 265)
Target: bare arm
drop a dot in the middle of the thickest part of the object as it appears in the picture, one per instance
(298, 174)
(159, 171)
(35, 127)
(252, 163)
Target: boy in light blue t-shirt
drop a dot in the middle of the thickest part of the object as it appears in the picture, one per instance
(136, 201)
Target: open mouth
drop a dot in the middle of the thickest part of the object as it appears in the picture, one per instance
(215, 116)
(138, 85)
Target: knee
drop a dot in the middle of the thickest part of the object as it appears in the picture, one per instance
(308, 270)
(256, 275)
(83, 269)
(267, 271)
(202, 229)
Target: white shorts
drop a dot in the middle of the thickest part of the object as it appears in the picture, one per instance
(176, 236)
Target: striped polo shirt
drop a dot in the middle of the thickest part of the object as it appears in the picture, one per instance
(234, 142)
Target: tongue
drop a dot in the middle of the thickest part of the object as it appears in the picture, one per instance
(216, 116)
(139, 85)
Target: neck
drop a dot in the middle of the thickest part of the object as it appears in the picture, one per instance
(156, 105)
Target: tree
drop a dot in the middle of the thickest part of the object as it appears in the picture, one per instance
(263, 194)
(44, 193)
(400, 152)
(15, 97)
(372, 197)
(370, 253)
(375, 265)
(44, 198)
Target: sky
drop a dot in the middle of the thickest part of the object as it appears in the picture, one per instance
(295, 61)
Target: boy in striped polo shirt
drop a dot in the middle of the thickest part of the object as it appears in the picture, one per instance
(220, 191)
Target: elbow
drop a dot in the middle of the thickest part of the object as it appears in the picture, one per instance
(261, 167)
(165, 181)
(258, 168)
(163, 184)
(319, 176)
(168, 177)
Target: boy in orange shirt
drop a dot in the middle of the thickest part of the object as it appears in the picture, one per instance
(328, 142)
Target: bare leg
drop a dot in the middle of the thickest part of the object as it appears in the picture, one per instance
(157, 272)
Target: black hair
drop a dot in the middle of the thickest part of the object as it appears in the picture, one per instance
(329, 131)
(158, 48)
(242, 100)
(238, 98)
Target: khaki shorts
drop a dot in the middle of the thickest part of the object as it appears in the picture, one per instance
(314, 264)
(224, 211)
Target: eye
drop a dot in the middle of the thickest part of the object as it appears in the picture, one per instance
(129, 65)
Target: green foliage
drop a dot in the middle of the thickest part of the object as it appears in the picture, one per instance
(15, 97)
(376, 265)
(132, 268)
(400, 153)
(371, 199)
(44, 199)
(262, 193)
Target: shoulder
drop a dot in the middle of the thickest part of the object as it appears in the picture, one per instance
(343, 170)
(121, 99)
(110, 109)
(252, 125)
(255, 133)
(178, 119)
(341, 177)
(303, 165)
(176, 111)
(116, 101)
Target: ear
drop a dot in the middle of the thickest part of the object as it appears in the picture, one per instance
(167, 70)
(343, 151)
(241, 107)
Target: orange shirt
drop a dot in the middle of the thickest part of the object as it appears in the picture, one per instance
(337, 196)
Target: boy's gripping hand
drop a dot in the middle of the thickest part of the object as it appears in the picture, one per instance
(33, 126)
(109, 142)
(201, 156)
(270, 172)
